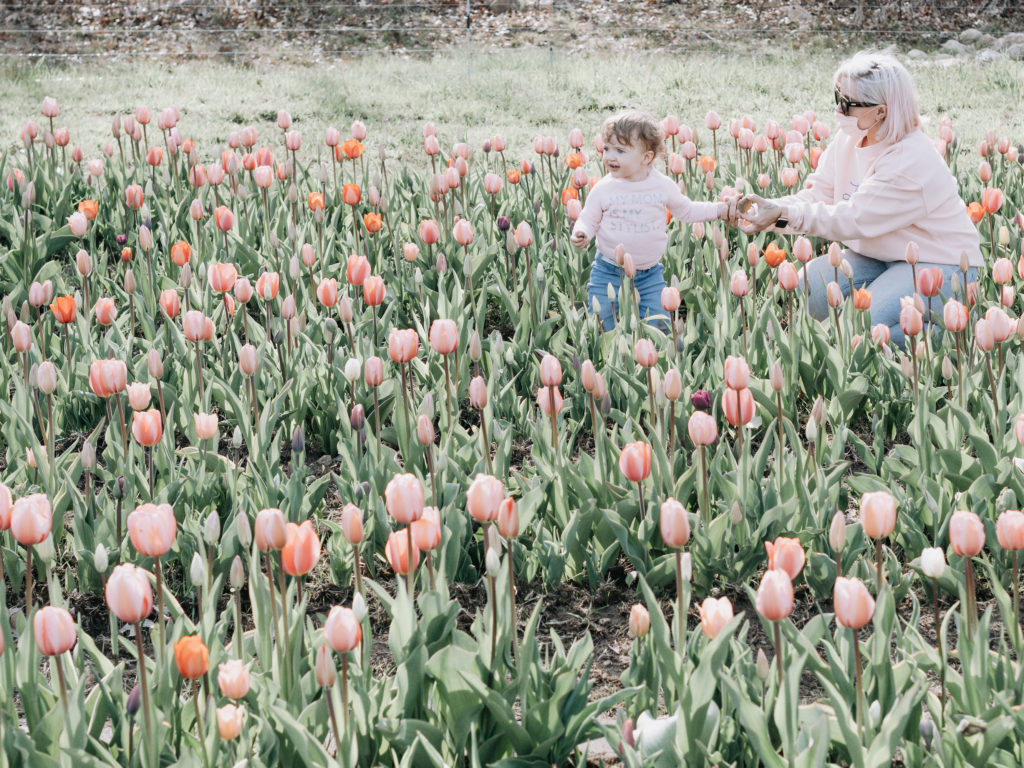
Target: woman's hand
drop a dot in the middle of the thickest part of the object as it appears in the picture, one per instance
(757, 213)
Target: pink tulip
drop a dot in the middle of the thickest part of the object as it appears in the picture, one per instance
(54, 631)
(714, 615)
(785, 554)
(852, 603)
(878, 514)
(342, 629)
(484, 497)
(129, 594)
(152, 529)
(775, 595)
(404, 498)
(966, 534)
(702, 427)
(675, 524)
(31, 519)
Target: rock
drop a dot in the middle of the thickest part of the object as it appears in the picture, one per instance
(916, 53)
(970, 36)
(1016, 51)
(797, 13)
(985, 41)
(986, 55)
(1010, 38)
(953, 47)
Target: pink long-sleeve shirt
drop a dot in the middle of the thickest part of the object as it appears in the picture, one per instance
(878, 198)
(633, 213)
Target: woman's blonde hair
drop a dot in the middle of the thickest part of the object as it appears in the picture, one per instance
(877, 78)
(632, 126)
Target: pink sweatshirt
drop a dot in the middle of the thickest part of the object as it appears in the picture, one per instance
(876, 199)
(633, 213)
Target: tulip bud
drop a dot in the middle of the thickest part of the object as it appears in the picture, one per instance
(846, 269)
(211, 529)
(88, 456)
(352, 369)
(927, 730)
(687, 567)
(776, 378)
(197, 571)
(947, 367)
(492, 564)
(906, 366)
(134, 702)
(475, 352)
(424, 430)
(933, 562)
(357, 417)
(236, 579)
(964, 263)
(100, 559)
(236, 437)
(762, 666)
(325, 671)
(298, 440)
(243, 530)
(359, 606)
(736, 513)
(837, 532)
(811, 430)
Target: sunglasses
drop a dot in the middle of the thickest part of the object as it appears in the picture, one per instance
(844, 103)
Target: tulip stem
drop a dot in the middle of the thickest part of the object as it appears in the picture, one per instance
(145, 692)
(554, 420)
(199, 369)
(640, 493)
(494, 627)
(344, 688)
(704, 474)
(1016, 598)
(284, 621)
(200, 731)
(152, 495)
(778, 652)
(878, 566)
(447, 392)
(124, 430)
(650, 396)
(972, 610)
(273, 609)
(405, 404)
(63, 683)
(334, 722)
(410, 571)
(959, 371)
(28, 581)
(160, 605)
(433, 481)
(514, 622)
(938, 645)
(857, 671)
(238, 622)
(680, 613)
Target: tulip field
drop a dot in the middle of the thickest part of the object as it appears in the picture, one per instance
(292, 422)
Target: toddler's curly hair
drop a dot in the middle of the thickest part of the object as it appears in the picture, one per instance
(634, 125)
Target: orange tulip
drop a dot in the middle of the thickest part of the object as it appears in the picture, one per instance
(181, 253)
(773, 255)
(63, 308)
(152, 529)
(192, 657)
(508, 518)
(147, 427)
(635, 461)
(992, 199)
(54, 631)
(350, 194)
(775, 595)
(315, 201)
(342, 629)
(89, 208)
(129, 593)
(352, 149)
(852, 603)
(714, 615)
(372, 222)
(513, 176)
(397, 551)
(484, 497)
(224, 218)
(675, 524)
(786, 554)
(966, 533)
(976, 212)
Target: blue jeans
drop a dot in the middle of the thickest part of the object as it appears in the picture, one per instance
(648, 282)
(888, 282)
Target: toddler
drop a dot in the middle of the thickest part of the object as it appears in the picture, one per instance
(627, 207)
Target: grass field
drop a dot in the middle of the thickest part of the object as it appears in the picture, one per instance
(518, 93)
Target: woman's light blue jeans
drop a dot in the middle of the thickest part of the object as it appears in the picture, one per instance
(888, 281)
(648, 282)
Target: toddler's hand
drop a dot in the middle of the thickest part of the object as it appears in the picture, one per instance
(579, 239)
